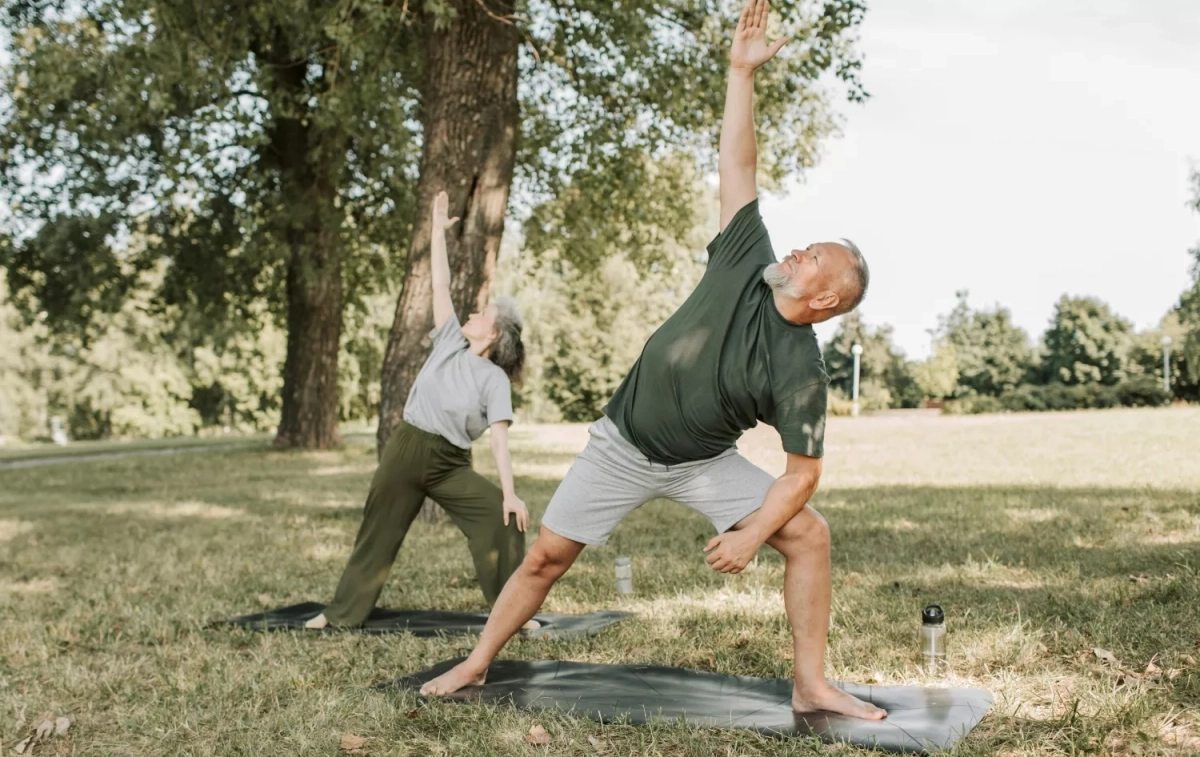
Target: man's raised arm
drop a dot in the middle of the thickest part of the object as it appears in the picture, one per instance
(739, 153)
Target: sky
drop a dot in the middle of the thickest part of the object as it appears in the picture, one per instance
(1018, 150)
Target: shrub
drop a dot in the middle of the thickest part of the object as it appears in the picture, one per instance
(977, 404)
(1141, 391)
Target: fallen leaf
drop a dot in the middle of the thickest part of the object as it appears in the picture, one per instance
(61, 725)
(44, 729)
(265, 600)
(352, 744)
(1152, 670)
(23, 744)
(454, 581)
(1106, 655)
(414, 714)
(1174, 673)
(538, 736)
(1187, 659)
(598, 744)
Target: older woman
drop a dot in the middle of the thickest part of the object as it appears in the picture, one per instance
(463, 389)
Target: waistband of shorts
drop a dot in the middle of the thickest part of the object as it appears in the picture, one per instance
(614, 430)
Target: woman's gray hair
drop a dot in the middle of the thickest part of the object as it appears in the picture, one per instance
(508, 351)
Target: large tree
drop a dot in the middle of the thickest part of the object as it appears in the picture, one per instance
(589, 116)
(1086, 343)
(991, 353)
(264, 150)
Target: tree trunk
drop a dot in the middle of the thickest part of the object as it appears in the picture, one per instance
(314, 326)
(314, 291)
(470, 117)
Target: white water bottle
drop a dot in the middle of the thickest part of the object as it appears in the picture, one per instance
(933, 639)
(624, 570)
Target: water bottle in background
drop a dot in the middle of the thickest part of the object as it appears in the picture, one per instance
(624, 569)
(933, 639)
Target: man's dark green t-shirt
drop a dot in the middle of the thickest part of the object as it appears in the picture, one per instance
(724, 361)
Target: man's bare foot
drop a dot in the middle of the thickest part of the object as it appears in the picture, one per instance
(317, 623)
(531, 625)
(826, 698)
(453, 680)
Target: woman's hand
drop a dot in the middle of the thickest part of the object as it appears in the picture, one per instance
(514, 506)
(441, 206)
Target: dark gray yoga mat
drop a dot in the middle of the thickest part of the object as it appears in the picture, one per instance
(919, 720)
(424, 622)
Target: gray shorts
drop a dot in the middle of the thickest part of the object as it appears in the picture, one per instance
(611, 479)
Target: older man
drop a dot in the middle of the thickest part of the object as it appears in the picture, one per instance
(740, 350)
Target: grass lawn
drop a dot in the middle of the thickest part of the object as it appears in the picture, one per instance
(1045, 537)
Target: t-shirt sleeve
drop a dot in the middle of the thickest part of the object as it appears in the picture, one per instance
(800, 420)
(448, 337)
(745, 237)
(498, 399)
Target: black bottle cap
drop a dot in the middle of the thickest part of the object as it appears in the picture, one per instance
(932, 616)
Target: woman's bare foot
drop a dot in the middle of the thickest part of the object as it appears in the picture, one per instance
(454, 679)
(531, 625)
(826, 698)
(317, 623)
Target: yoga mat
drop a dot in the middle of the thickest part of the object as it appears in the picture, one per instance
(424, 622)
(919, 720)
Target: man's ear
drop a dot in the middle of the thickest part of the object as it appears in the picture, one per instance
(825, 300)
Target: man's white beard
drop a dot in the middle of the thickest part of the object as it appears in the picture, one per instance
(777, 279)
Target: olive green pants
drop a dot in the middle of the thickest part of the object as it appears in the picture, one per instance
(416, 464)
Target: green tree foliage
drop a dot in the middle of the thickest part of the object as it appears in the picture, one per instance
(1187, 336)
(127, 381)
(264, 149)
(1086, 343)
(1146, 356)
(237, 376)
(885, 378)
(991, 354)
(586, 329)
(24, 411)
(364, 340)
(145, 373)
(937, 377)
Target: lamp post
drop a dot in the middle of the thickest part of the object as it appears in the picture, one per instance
(857, 351)
(1166, 344)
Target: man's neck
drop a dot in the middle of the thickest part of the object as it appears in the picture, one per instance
(794, 311)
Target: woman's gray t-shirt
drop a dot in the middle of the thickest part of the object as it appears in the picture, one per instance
(457, 394)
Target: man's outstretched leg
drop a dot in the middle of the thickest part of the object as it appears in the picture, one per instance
(807, 594)
(520, 599)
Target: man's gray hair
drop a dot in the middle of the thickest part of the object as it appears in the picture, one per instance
(509, 351)
(856, 280)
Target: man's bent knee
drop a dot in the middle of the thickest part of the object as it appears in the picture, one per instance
(550, 556)
(807, 530)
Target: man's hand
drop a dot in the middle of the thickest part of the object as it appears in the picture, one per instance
(750, 49)
(514, 506)
(441, 206)
(732, 551)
